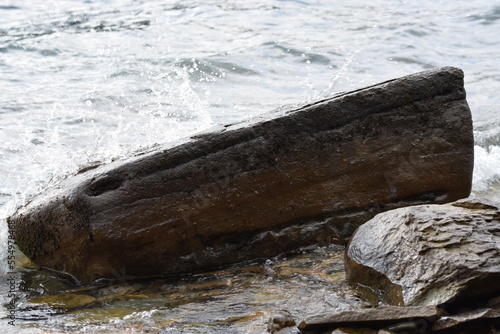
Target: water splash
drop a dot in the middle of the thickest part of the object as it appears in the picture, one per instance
(368, 27)
(486, 168)
(4, 233)
(106, 125)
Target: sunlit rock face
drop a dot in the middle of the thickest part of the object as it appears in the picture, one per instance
(429, 254)
(259, 188)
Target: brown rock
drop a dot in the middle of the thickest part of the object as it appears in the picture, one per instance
(259, 188)
(280, 320)
(412, 326)
(347, 330)
(458, 320)
(373, 318)
(429, 254)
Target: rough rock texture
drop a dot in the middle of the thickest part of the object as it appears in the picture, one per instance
(409, 319)
(457, 320)
(429, 254)
(261, 187)
(373, 318)
(280, 320)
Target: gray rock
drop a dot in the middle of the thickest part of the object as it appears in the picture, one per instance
(287, 179)
(372, 318)
(428, 254)
(280, 320)
(356, 330)
(457, 320)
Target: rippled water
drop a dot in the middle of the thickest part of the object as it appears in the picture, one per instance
(84, 81)
(236, 299)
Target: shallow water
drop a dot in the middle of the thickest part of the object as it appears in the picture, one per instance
(234, 299)
(85, 81)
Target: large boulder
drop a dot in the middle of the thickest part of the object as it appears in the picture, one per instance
(258, 188)
(429, 254)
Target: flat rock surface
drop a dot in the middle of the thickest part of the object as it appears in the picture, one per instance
(259, 188)
(429, 254)
(376, 317)
(459, 319)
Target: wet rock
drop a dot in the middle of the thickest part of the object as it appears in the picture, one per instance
(346, 330)
(376, 318)
(66, 301)
(458, 320)
(493, 302)
(37, 283)
(280, 320)
(259, 188)
(429, 254)
(412, 326)
(385, 331)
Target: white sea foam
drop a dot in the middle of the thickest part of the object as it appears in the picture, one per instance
(486, 168)
(3, 247)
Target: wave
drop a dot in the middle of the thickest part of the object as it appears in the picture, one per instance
(486, 168)
(487, 18)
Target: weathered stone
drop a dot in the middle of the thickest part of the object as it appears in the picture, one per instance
(429, 254)
(466, 317)
(410, 326)
(373, 318)
(280, 320)
(259, 188)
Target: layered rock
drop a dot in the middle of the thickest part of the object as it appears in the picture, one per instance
(409, 319)
(256, 189)
(378, 318)
(429, 255)
(481, 320)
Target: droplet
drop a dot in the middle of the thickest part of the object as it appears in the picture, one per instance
(88, 103)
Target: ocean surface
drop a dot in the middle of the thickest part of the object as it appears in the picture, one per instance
(83, 81)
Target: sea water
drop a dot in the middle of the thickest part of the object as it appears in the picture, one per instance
(85, 81)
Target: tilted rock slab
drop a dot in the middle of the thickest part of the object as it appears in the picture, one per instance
(429, 254)
(374, 318)
(475, 316)
(258, 188)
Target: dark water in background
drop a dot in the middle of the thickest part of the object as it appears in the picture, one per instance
(84, 81)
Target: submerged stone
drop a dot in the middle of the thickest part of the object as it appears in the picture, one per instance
(474, 316)
(41, 283)
(66, 301)
(259, 188)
